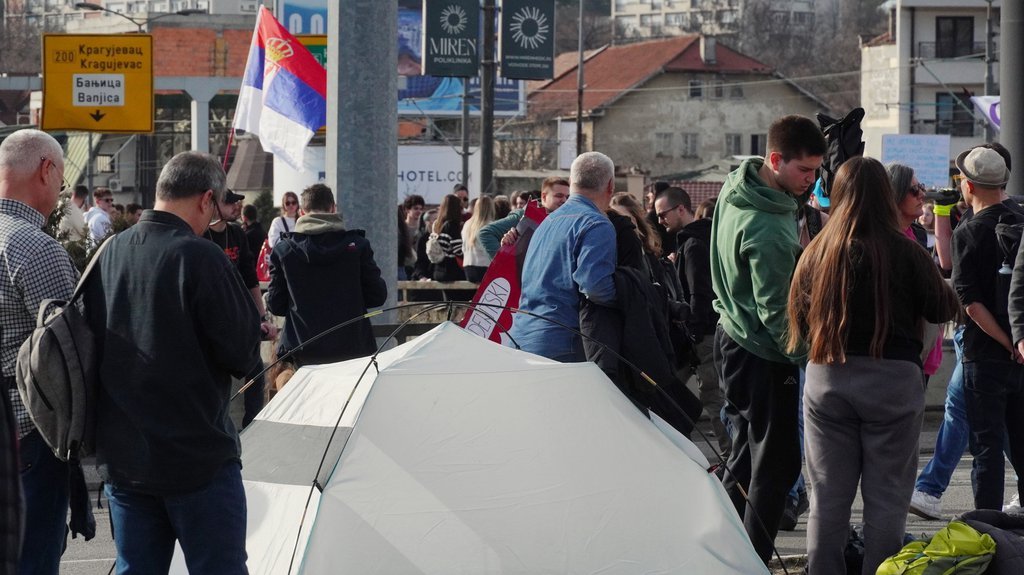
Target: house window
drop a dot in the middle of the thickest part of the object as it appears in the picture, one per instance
(696, 89)
(689, 145)
(733, 144)
(758, 144)
(953, 116)
(717, 90)
(736, 91)
(954, 36)
(663, 145)
(803, 19)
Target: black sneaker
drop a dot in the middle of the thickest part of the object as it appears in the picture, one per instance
(792, 512)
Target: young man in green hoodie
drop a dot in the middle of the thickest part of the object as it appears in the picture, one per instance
(755, 236)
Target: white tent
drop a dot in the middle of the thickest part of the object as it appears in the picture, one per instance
(456, 455)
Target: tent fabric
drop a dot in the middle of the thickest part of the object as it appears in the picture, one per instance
(457, 455)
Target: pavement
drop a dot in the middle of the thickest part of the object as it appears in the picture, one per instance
(96, 557)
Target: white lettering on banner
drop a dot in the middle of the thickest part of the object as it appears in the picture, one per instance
(97, 90)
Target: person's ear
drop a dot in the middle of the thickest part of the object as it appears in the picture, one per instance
(775, 160)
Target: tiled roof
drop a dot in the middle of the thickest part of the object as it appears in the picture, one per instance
(614, 71)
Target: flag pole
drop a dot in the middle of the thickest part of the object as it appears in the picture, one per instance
(227, 149)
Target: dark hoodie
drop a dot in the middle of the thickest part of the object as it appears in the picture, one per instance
(693, 264)
(320, 276)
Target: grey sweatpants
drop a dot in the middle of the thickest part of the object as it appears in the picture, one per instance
(862, 422)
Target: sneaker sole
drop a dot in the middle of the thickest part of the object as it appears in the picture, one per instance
(923, 514)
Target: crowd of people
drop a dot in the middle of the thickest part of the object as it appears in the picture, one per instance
(811, 322)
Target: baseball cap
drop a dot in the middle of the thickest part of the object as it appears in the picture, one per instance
(983, 167)
(232, 198)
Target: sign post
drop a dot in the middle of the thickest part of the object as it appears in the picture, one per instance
(98, 82)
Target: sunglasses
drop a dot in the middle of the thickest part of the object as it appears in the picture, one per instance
(918, 190)
(291, 203)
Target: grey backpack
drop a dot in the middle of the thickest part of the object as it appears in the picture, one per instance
(57, 374)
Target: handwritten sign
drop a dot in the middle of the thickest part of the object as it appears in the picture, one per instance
(927, 154)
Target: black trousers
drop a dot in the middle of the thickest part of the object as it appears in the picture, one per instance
(761, 403)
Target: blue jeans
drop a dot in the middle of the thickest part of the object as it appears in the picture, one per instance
(952, 438)
(208, 523)
(994, 391)
(44, 479)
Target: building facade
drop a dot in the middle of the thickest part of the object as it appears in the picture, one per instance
(919, 76)
(640, 19)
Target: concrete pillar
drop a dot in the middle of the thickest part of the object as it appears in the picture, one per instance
(200, 125)
(1011, 84)
(362, 124)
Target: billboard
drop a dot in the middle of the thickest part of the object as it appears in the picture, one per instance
(417, 95)
(527, 39)
(430, 171)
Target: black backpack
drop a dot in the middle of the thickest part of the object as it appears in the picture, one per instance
(1008, 236)
(57, 374)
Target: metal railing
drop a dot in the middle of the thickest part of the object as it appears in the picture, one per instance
(950, 49)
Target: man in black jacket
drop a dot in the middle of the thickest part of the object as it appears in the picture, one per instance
(226, 233)
(164, 442)
(693, 264)
(320, 276)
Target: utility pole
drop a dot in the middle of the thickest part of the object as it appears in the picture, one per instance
(465, 132)
(579, 85)
(990, 84)
(362, 120)
(1011, 82)
(487, 73)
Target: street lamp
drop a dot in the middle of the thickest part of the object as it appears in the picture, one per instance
(140, 23)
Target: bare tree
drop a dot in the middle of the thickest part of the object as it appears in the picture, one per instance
(20, 40)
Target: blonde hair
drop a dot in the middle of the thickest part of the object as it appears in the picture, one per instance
(483, 214)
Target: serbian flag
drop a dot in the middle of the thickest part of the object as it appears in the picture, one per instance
(501, 284)
(284, 92)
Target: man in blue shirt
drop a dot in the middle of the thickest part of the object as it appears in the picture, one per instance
(572, 254)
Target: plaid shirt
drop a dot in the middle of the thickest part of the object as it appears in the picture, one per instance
(33, 268)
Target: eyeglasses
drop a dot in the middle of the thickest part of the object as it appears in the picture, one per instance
(918, 190)
(63, 182)
(108, 200)
(662, 215)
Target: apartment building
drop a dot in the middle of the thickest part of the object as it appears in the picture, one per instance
(918, 77)
(640, 19)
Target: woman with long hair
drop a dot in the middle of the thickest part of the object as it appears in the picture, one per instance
(859, 298)
(476, 258)
(628, 206)
(448, 230)
(285, 223)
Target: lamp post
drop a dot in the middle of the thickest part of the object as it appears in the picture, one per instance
(141, 24)
(990, 87)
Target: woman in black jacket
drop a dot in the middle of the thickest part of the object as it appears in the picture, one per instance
(448, 235)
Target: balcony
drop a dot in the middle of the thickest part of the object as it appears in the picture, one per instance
(931, 50)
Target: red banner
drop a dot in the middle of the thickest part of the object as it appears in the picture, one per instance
(501, 283)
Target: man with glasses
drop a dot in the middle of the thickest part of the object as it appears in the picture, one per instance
(98, 218)
(36, 268)
(165, 445)
(693, 266)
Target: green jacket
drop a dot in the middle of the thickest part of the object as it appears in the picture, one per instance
(489, 236)
(756, 247)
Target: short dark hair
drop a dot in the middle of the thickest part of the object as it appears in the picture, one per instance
(796, 137)
(190, 174)
(317, 198)
(676, 196)
(660, 186)
(250, 213)
(81, 192)
(101, 192)
(460, 188)
(553, 181)
(530, 195)
(413, 200)
(133, 208)
(1001, 150)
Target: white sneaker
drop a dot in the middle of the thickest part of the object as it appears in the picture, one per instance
(926, 506)
(1014, 505)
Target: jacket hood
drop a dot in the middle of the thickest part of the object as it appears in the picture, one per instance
(313, 224)
(752, 192)
(699, 229)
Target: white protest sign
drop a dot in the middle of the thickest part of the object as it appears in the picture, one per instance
(927, 154)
